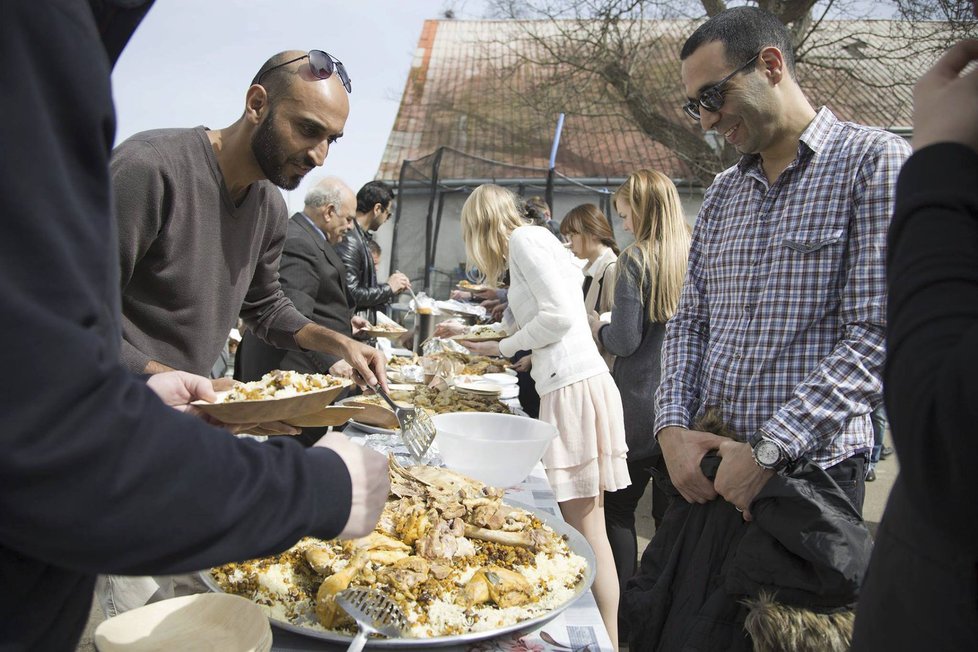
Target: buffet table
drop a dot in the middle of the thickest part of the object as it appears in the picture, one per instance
(580, 626)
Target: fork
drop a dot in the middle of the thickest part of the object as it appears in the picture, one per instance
(374, 612)
(417, 430)
(547, 638)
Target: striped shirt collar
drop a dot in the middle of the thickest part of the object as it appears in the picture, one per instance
(313, 225)
(812, 140)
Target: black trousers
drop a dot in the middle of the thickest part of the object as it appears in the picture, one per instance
(619, 516)
(850, 475)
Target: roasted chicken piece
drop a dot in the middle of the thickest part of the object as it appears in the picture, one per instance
(532, 539)
(445, 540)
(405, 574)
(321, 559)
(326, 609)
(504, 587)
(381, 548)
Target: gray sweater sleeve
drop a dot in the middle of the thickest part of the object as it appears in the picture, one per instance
(623, 335)
(139, 219)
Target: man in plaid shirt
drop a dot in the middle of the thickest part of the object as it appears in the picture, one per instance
(781, 320)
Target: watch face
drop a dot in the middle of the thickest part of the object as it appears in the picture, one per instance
(768, 454)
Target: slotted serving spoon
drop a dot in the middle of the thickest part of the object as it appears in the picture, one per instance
(374, 612)
(417, 430)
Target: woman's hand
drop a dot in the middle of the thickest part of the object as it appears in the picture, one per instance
(490, 349)
(449, 328)
(524, 364)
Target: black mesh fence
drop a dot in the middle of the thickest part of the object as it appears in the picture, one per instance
(427, 239)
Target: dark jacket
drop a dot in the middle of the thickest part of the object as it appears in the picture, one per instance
(314, 278)
(97, 475)
(807, 545)
(922, 588)
(361, 277)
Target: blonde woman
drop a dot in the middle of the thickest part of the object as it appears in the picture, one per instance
(577, 394)
(649, 280)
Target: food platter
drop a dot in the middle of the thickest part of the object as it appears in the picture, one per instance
(481, 334)
(385, 330)
(465, 286)
(272, 409)
(575, 542)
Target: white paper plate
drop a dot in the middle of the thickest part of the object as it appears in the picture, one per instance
(503, 379)
(211, 621)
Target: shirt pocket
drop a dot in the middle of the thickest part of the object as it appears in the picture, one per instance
(807, 243)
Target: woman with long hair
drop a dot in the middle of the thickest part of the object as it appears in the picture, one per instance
(649, 280)
(577, 394)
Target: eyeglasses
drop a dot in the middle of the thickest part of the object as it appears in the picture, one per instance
(321, 65)
(711, 99)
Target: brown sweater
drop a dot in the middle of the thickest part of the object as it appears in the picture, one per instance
(190, 259)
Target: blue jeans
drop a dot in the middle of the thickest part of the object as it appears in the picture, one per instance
(879, 429)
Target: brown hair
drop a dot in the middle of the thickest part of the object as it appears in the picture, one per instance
(588, 219)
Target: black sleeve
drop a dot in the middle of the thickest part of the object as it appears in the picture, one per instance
(365, 296)
(932, 344)
(96, 474)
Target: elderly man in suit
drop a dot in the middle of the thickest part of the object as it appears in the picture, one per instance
(313, 277)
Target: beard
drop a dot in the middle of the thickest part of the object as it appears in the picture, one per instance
(271, 158)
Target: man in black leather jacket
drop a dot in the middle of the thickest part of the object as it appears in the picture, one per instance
(375, 203)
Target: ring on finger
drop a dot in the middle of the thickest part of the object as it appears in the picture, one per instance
(738, 509)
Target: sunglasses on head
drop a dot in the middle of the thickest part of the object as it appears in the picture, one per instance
(321, 66)
(711, 99)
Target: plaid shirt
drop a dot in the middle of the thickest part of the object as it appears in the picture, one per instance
(782, 314)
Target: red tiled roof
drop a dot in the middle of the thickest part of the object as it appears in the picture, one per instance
(469, 87)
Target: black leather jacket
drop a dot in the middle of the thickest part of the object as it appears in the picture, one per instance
(361, 277)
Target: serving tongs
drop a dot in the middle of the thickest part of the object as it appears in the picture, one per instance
(374, 612)
(417, 430)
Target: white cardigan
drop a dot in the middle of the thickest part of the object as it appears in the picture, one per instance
(546, 311)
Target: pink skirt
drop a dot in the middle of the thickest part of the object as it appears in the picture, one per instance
(588, 457)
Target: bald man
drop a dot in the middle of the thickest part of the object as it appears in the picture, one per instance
(201, 230)
(202, 225)
(313, 277)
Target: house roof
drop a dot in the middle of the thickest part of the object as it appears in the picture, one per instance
(483, 88)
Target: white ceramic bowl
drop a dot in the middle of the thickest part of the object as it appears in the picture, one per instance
(498, 449)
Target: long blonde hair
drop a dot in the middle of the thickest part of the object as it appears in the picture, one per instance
(489, 216)
(662, 240)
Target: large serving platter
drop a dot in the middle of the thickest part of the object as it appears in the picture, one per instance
(576, 543)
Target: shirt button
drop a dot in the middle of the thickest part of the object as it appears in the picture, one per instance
(748, 308)
(738, 355)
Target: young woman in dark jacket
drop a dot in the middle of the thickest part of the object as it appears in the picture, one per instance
(649, 280)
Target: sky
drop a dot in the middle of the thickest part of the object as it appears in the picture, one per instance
(191, 61)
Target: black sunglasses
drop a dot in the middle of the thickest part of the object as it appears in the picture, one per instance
(321, 65)
(711, 99)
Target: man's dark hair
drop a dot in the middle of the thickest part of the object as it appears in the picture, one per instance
(536, 210)
(373, 193)
(744, 31)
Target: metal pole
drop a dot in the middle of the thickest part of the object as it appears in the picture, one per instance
(549, 194)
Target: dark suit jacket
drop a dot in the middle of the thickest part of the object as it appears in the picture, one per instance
(313, 277)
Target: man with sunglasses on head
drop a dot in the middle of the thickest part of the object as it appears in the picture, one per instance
(201, 227)
(375, 205)
(202, 224)
(781, 320)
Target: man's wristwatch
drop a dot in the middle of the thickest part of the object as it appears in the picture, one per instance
(768, 455)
